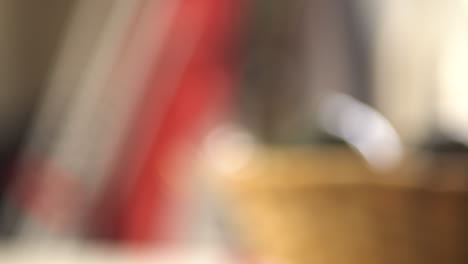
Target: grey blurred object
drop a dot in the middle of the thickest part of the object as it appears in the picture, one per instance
(404, 59)
(30, 32)
(296, 53)
(273, 68)
(70, 130)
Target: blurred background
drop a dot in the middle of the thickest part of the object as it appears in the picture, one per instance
(219, 131)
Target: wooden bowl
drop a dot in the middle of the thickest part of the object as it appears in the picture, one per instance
(325, 205)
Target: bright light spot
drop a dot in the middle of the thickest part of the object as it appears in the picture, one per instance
(228, 148)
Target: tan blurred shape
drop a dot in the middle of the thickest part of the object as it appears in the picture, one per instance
(325, 205)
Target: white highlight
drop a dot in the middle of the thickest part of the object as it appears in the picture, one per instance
(363, 128)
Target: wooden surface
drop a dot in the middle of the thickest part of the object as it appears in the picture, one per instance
(326, 206)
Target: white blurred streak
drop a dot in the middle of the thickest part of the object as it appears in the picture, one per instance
(85, 128)
(98, 254)
(94, 132)
(86, 23)
(363, 128)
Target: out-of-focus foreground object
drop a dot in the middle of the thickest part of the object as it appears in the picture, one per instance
(329, 131)
(110, 147)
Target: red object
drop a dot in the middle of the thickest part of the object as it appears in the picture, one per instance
(193, 78)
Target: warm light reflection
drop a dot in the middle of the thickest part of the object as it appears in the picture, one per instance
(228, 148)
